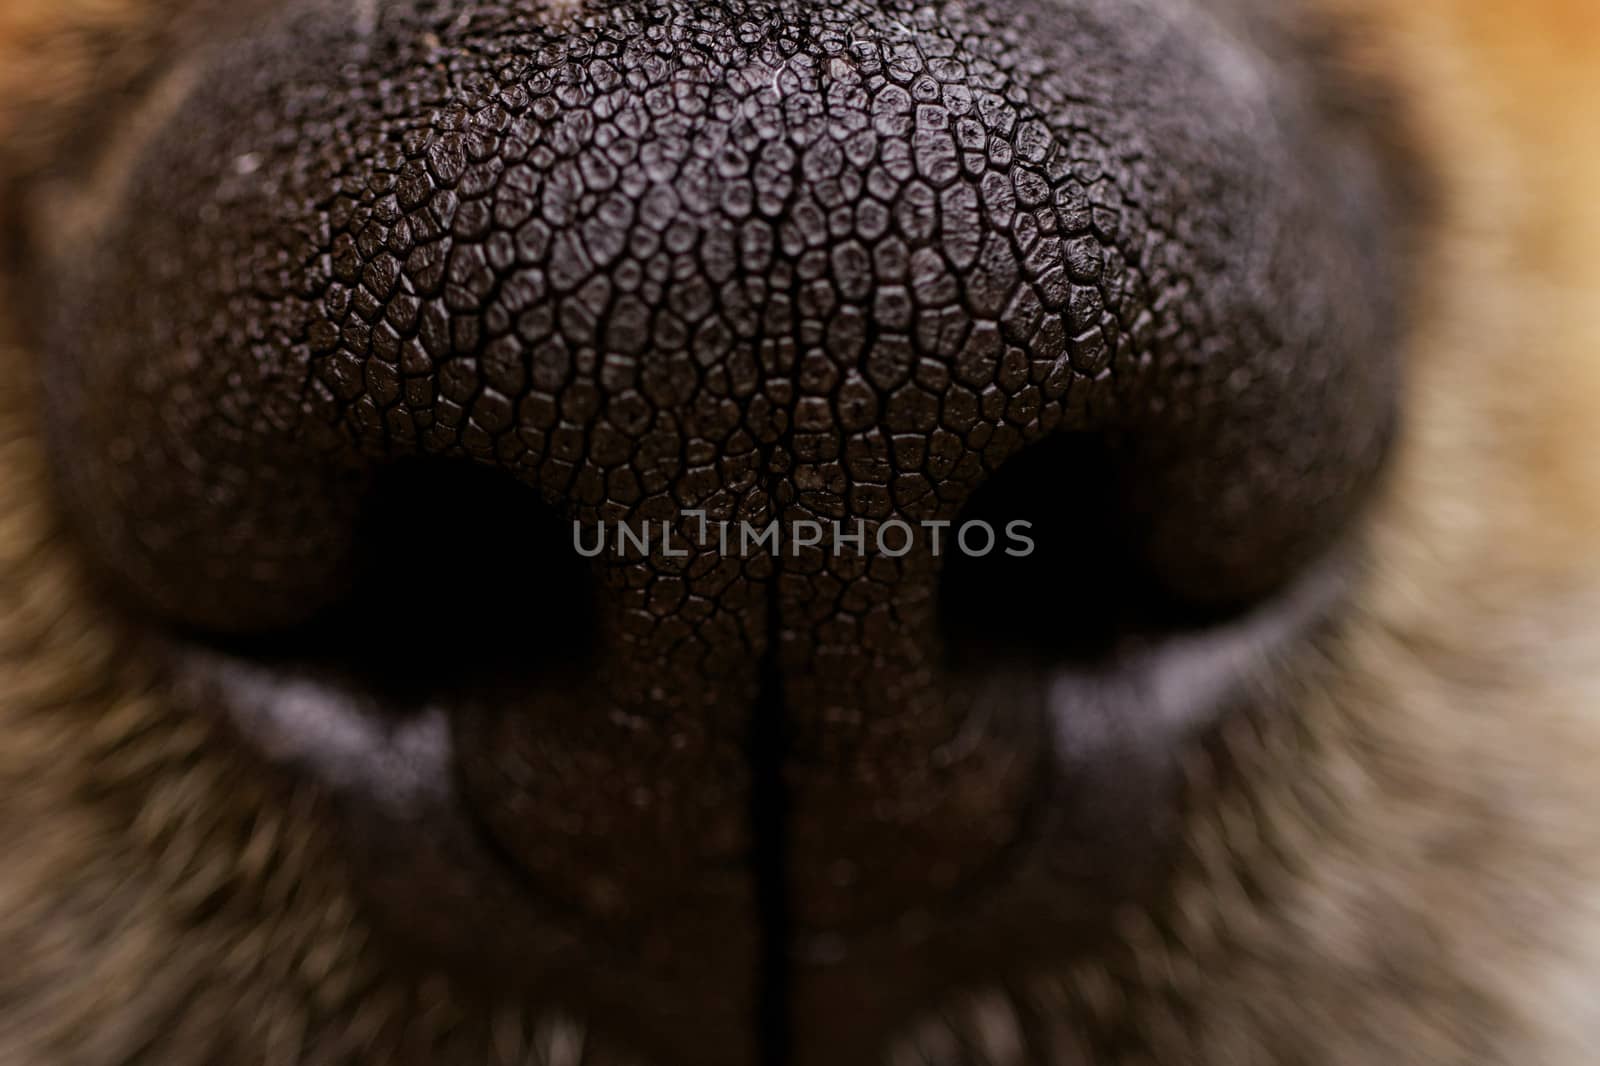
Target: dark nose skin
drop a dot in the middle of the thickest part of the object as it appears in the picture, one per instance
(1121, 273)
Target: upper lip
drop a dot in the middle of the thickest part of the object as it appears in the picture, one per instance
(396, 771)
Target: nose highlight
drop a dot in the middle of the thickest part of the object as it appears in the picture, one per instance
(872, 269)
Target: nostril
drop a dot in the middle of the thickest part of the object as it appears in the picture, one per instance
(1077, 576)
(1074, 588)
(459, 575)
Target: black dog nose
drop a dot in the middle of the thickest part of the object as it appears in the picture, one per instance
(739, 228)
(680, 271)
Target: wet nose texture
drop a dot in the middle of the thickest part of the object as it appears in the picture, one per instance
(392, 302)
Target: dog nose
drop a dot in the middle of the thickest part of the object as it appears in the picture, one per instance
(882, 364)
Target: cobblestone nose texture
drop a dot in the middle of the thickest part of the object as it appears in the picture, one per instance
(769, 260)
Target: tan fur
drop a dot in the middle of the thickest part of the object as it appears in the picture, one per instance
(1411, 874)
(1419, 842)
(59, 52)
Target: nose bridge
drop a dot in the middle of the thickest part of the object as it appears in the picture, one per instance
(777, 289)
